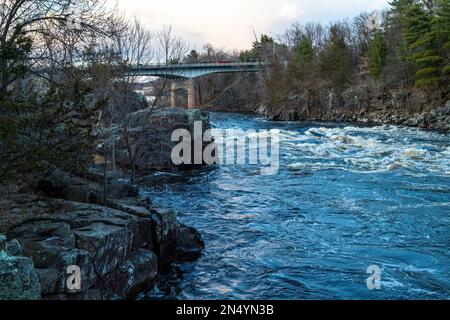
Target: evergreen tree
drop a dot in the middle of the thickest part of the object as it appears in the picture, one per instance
(377, 54)
(398, 69)
(303, 59)
(442, 24)
(193, 57)
(335, 60)
(422, 43)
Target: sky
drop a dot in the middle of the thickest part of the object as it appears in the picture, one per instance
(229, 24)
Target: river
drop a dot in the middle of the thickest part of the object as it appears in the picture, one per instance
(346, 197)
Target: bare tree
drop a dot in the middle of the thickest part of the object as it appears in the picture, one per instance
(171, 49)
(66, 24)
(131, 45)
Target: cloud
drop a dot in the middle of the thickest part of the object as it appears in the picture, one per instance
(290, 11)
(230, 23)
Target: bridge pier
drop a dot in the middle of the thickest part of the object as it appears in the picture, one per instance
(173, 94)
(192, 94)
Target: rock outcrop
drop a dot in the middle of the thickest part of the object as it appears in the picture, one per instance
(18, 278)
(118, 241)
(58, 184)
(118, 252)
(118, 244)
(150, 133)
(232, 92)
(364, 103)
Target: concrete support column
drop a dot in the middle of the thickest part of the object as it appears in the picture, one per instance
(173, 94)
(192, 94)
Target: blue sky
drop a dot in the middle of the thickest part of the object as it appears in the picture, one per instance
(229, 23)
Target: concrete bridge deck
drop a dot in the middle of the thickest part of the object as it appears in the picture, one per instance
(192, 71)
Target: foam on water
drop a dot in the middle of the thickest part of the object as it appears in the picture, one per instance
(376, 149)
(345, 198)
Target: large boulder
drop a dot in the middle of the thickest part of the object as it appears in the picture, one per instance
(150, 133)
(438, 119)
(18, 278)
(175, 241)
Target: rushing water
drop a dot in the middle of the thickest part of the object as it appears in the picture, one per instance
(345, 198)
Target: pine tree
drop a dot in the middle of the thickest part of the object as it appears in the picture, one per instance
(303, 58)
(335, 60)
(442, 25)
(422, 43)
(398, 69)
(193, 57)
(377, 54)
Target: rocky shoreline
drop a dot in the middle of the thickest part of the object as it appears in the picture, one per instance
(119, 242)
(119, 246)
(364, 105)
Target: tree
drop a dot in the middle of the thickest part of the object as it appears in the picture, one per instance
(264, 48)
(171, 48)
(421, 43)
(398, 70)
(46, 111)
(131, 46)
(336, 57)
(377, 54)
(303, 58)
(192, 57)
(247, 56)
(442, 25)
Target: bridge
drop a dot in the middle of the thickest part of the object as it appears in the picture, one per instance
(191, 71)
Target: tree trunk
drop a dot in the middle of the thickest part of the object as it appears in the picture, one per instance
(113, 160)
(133, 172)
(105, 178)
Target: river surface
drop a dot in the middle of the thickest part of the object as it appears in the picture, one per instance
(345, 198)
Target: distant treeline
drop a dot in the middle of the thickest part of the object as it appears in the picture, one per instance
(403, 46)
(406, 45)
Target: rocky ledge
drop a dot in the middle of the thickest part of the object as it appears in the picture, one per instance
(150, 135)
(61, 223)
(119, 247)
(364, 104)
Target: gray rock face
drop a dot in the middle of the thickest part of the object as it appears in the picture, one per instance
(58, 184)
(365, 103)
(2, 242)
(18, 278)
(14, 248)
(118, 252)
(150, 136)
(438, 119)
(136, 275)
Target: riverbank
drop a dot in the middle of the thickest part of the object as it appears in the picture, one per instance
(53, 220)
(365, 104)
(119, 245)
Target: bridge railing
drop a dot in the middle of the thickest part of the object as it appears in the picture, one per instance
(199, 65)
